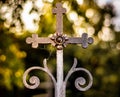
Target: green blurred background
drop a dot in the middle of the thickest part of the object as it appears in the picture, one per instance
(21, 18)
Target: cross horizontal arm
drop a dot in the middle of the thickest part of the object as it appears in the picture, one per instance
(35, 40)
(84, 40)
(74, 40)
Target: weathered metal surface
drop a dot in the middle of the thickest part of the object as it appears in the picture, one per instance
(59, 40)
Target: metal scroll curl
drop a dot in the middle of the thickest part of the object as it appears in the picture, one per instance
(34, 81)
(80, 81)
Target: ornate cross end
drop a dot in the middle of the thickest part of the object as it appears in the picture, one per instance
(85, 40)
(59, 9)
(35, 40)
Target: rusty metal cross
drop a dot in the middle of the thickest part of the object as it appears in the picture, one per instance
(60, 40)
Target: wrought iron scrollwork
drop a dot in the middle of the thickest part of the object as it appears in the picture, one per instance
(80, 81)
(34, 80)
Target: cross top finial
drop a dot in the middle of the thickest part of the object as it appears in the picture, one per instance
(59, 9)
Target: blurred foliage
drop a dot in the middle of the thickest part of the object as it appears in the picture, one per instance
(102, 58)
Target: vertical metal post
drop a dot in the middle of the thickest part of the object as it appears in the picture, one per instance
(59, 11)
(59, 88)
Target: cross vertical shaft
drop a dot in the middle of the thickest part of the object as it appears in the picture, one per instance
(59, 11)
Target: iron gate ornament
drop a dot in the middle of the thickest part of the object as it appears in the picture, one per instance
(59, 40)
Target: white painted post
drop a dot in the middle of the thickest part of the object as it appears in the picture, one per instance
(59, 88)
